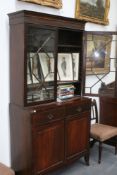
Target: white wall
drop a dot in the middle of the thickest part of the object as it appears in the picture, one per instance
(6, 7)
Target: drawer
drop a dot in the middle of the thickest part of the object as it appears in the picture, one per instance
(77, 108)
(42, 117)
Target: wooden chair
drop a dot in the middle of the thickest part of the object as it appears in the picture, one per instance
(100, 132)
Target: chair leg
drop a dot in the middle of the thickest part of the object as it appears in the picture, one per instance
(100, 152)
(86, 158)
(92, 143)
(116, 145)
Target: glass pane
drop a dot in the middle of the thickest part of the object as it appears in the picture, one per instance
(40, 64)
(101, 58)
(68, 74)
(68, 67)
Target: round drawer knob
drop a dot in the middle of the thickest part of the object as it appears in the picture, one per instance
(79, 109)
(50, 116)
(33, 111)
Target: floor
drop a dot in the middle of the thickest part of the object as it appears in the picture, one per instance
(108, 165)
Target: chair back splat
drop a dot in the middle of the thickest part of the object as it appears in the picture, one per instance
(94, 111)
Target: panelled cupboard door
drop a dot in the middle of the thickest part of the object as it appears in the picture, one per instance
(48, 146)
(77, 135)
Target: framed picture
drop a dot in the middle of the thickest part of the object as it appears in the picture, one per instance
(75, 63)
(47, 65)
(65, 70)
(29, 71)
(33, 74)
(98, 54)
(52, 3)
(95, 11)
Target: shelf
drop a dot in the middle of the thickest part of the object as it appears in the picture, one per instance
(69, 46)
(66, 82)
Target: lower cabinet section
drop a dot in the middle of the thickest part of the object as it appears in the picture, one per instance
(49, 136)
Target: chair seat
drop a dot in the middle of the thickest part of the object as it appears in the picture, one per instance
(102, 132)
(4, 170)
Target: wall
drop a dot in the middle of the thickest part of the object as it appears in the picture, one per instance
(11, 6)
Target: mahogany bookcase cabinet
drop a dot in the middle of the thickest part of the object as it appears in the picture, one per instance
(47, 129)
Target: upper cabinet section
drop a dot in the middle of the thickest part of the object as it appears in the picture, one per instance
(45, 58)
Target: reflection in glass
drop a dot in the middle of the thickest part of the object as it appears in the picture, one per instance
(40, 65)
(75, 62)
(101, 56)
(98, 54)
(47, 65)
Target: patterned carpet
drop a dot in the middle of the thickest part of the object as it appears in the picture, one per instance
(108, 165)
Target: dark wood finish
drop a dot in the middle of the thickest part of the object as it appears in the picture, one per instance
(48, 148)
(100, 152)
(45, 19)
(16, 66)
(108, 110)
(77, 135)
(44, 116)
(38, 146)
(45, 136)
(107, 90)
(108, 104)
(21, 140)
(61, 26)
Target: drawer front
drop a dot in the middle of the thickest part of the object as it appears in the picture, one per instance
(39, 117)
(77, 108)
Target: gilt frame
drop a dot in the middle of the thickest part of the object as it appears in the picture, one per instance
(53, 3)
(93, 12)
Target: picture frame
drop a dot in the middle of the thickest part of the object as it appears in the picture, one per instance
(33, 69)
(75, 64)
(98, 54)
(93, 11)
(53, 3)
(47, 65)
(65, 70)
(29, 71)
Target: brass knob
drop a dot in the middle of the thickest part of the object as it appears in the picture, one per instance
(50, 116)
(79, 109)
(33, 111)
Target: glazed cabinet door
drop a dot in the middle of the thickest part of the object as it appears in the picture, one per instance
(40, 69)
(48, 147)
(77, 135)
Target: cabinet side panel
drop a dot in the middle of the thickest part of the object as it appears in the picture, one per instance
(20, 134)
(17, 64)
